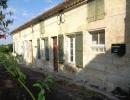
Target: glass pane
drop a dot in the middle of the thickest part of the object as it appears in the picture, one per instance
(102, 38)
(94, 39)
(71, 51)
(71, 45)
(71, 58)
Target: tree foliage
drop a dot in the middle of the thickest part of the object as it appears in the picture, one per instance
(3, 49)
(5, 19)
(10, 47)
(6, 48)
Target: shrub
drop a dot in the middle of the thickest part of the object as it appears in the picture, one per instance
(10, 47)
(3, 49)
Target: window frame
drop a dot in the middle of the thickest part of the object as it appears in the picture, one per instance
(69, 49)
(72, 48)
(98, 46)
(44, 49)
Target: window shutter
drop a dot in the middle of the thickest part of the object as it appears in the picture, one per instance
(79, 49)
(14, 47)
(42, 27)
(91, 10)
(27, 42)
(25, 48)
(99, 9)
(38, 48)
(46, 49)
(60, 49)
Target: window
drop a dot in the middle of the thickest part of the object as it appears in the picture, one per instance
(98, 41)
(95, 10)
(71, 48)
(74, 52)
(45, 49)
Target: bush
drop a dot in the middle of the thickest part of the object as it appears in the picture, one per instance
(6, 48)
(3, 49)
(10, 47)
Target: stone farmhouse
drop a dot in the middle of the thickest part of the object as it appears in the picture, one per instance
(83, 40)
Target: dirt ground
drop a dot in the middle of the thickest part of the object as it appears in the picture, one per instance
(10, 89)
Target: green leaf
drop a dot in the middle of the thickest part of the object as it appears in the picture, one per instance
(23, 76)
(37, 85)
(43, 98)
(3, 60)
(39, 82)
(18, 71)
(12, 73)
(15, 63)
(47, 87)
(49, 80)
(50, 76)
(9, 68)
(41, 95)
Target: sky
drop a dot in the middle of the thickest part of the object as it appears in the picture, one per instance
(25, 10)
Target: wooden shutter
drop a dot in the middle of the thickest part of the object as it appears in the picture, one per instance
(91, 10)
(46, 49)
(38, 48)
(99, 9)
(42, 27)
(60, 49)
(79, 49)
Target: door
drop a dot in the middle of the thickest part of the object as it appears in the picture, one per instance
(30, 51)
(55, 53)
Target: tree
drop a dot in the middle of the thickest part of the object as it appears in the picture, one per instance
(10, 47)
(5, 20)
(4, 49)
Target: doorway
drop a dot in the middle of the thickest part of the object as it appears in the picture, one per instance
(55, 53)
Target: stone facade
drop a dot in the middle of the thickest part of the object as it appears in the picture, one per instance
(103, 69)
